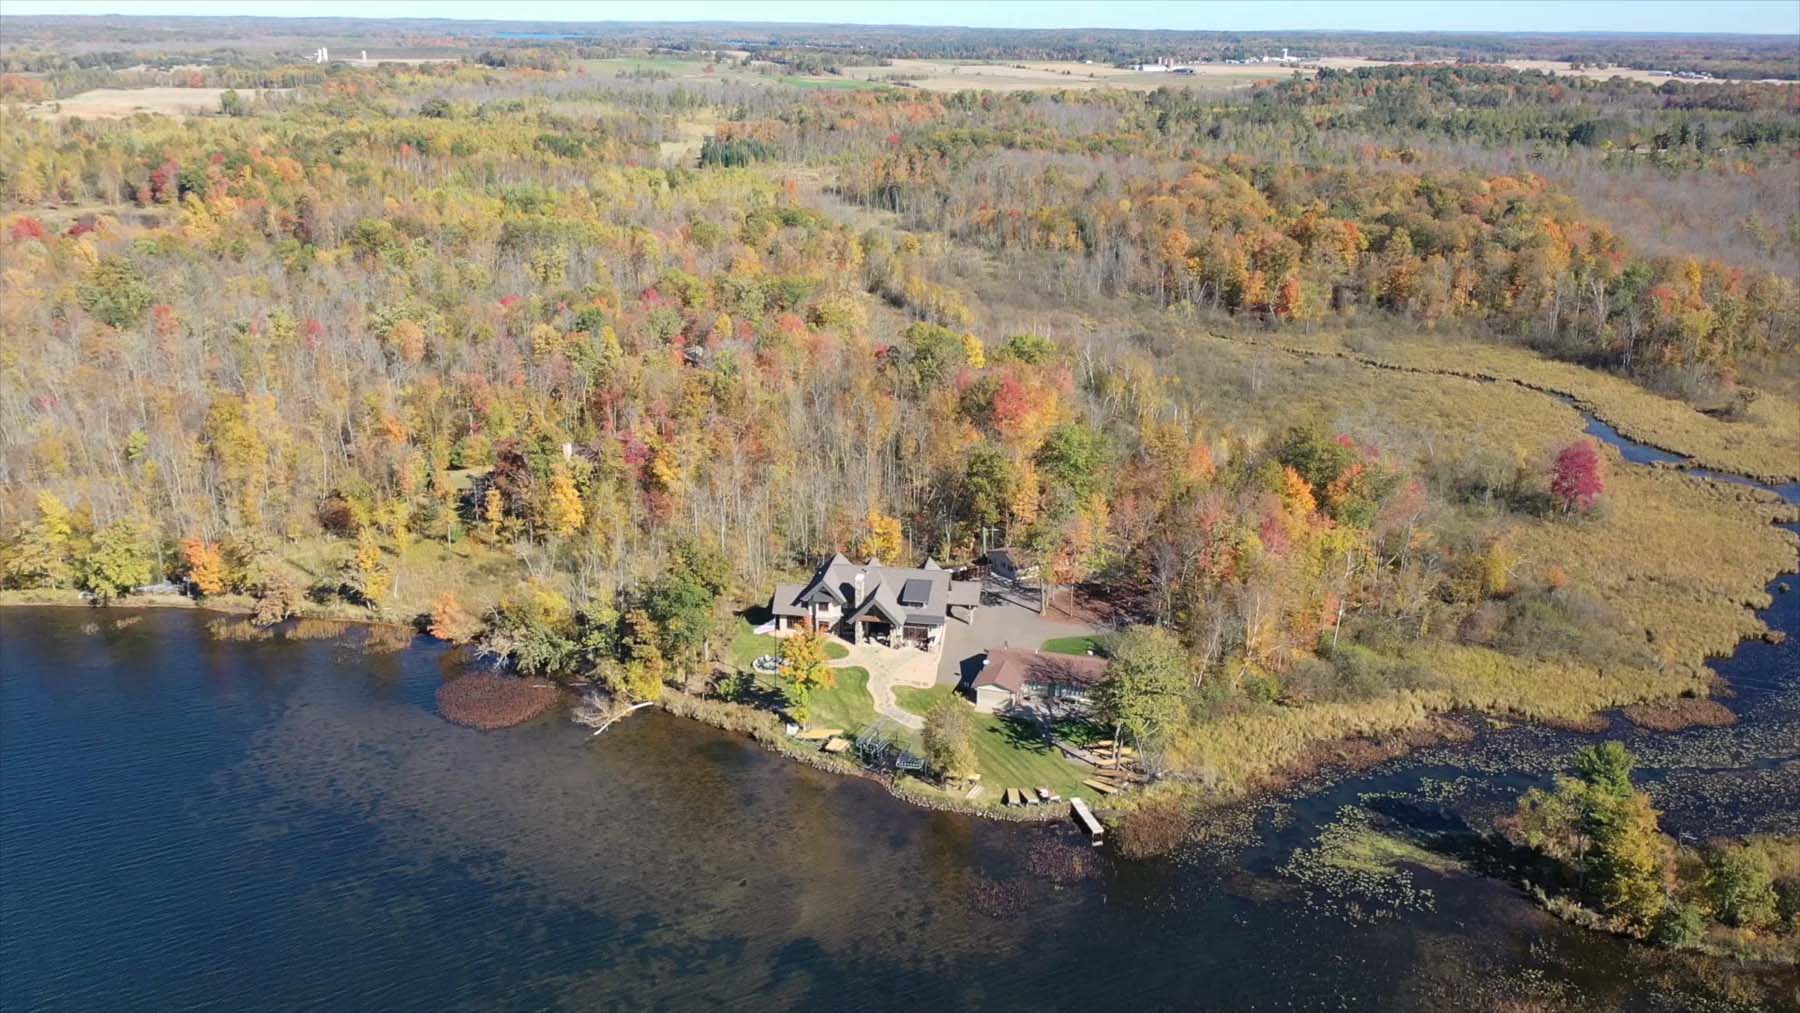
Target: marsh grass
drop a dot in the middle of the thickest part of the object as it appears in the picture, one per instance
(1764, 443)
(238, 630)
(1675, 562)
(1683, 712)
(383, 639)
(318, 629)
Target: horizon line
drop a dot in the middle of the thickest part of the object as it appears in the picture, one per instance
(1623, 33)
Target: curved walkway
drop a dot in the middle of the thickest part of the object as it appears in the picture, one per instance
(888, 668)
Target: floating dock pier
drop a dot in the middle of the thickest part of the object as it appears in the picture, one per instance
(1085, 817)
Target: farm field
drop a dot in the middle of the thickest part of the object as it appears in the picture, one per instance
(117, 103)
(947, 75)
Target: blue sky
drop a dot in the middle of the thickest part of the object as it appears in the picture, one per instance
(1777, 17)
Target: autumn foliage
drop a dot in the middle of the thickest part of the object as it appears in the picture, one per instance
(205, 566)
(1578, 478)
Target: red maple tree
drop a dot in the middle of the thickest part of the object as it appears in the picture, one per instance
(1579, 476)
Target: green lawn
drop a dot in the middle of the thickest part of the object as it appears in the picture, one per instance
(666, 65)
(1076, 645)
(847, 705)
(747, 646)
(1008, 753)
(845, 84)
(920, 701)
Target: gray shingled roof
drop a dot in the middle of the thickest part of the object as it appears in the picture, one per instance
(882, 590)
(787, 601)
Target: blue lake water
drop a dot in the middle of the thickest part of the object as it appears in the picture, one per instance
(287, 824)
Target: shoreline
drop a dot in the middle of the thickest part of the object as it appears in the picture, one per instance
(225, 606)
(1322, 767)
(1322, 761)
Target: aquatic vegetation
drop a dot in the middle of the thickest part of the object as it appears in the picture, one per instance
(241, 630)
(1155, 824)
(1057, 859)
(998, 899)
(318, 629)
(1683, 712)
(1362, 869)
(489, 701)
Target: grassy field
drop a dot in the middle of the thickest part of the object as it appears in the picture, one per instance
(476, 573)
(829, 83)
(113, 103)
(1053, 75)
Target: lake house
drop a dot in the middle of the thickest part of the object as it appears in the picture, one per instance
(893, 605)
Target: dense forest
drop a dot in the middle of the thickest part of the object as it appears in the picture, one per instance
(579, 360)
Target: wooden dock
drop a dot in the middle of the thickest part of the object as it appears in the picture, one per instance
(1085, 817)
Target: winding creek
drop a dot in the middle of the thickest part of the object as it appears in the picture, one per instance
(286, 824)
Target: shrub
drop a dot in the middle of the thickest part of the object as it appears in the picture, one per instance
(115, 293)
(1741, 887)
(1679, 926)
(277, 598)
(1569, 623)
(1351, 672)
(949, 741)
(450, 621)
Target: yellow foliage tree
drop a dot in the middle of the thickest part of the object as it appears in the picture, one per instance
(974, 351)
(1297, 495)
(882, 539)
(371, 574)
(493, 514)
(804, 667)
(409, 340)
(563, 512)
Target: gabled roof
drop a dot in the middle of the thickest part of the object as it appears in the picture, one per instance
(880, 600)
(900, 595)
(1012, 669)
(787, 601)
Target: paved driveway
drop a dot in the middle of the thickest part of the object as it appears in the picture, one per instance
(1000, 625)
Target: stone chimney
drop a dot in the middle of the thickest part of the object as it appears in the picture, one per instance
(861, 579)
